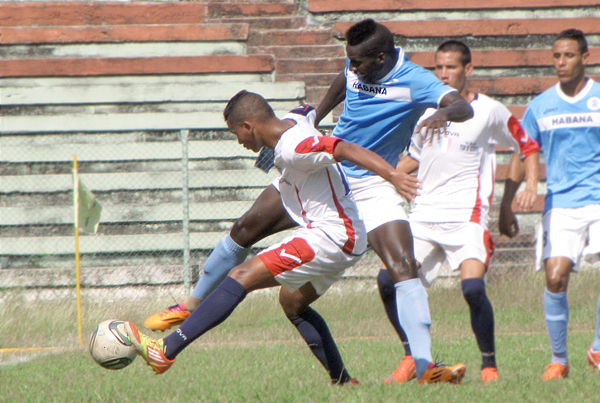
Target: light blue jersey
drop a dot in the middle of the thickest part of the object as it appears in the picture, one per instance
(382, 116)
(568, 131)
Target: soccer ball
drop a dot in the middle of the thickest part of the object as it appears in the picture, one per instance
(110, 347)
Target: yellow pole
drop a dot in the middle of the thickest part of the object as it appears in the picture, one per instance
(76, 206)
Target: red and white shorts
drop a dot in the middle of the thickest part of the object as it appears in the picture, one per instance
(570, 233)
(454, 242)
(308, 255)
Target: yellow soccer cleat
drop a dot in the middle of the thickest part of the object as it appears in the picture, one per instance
(489, 374)
(556, 371)
(150, 349)
(172, 316)
(437, 373)
(405, 372)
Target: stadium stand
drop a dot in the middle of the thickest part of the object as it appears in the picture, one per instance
(117, 82)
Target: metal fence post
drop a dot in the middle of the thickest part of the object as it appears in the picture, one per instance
(187, 271)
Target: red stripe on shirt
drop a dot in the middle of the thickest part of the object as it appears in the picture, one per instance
(317, 144)
(476, 213)
(350, 232)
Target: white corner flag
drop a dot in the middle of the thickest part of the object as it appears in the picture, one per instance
(90, 209)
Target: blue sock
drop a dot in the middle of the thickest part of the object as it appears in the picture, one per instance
(482, 319)
(226, 255)
(314, 331)
(596, 345)
(556, 308)
(388, 297)
(413, 315)
(211, 312)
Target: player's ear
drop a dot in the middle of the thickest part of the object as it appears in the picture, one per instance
(585, 57)
(468, 69)
(381, 57)
(247, 125)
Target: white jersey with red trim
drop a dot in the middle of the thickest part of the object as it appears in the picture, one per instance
(458, 170)
(313, 186)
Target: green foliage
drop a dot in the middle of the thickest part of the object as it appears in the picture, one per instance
(257, 356)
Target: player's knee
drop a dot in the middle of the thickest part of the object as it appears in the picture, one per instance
(473, 290)
(291, 307)
(243, 231)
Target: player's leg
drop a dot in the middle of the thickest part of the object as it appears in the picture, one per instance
(379, 203)
(160, 354)
(314, 330)
(556, 311)
(593, 354)
(564, 237)
(482, 315)
(266, 216)
(393, 243)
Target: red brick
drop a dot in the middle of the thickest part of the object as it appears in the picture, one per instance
(314, 66)
(99, 13)
(311, 80)
(291, 37)
(490, 27)
(323, 6)
(272, 22)
(514, 85)
(132, 66)
(125, 33)
(503, 58)
(216, 10)
(300, 52)
(502, 172)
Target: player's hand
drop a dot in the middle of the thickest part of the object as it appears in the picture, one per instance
(434, 126)
(507, 222)
(525, 199)
(407, 185)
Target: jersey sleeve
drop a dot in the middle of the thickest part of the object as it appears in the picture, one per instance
(510, 133)
(530, 125)
(311, 153)
(426, 89)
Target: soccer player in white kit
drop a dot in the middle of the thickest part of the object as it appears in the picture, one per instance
(456, 171)
(330, 238)
(565, 120)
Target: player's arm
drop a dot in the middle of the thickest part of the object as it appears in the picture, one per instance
(368, 160)
(517, 171)
(410, 184)
(453, 108)
(335, 94)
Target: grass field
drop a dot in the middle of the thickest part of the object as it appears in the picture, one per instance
(257, 356)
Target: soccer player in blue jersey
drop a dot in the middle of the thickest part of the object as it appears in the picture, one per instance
(384, 95)
(565, 121)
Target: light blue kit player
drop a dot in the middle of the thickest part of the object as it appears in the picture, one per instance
(384, 95)
(565, 121)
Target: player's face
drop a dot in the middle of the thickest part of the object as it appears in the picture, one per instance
(246, 136)
(569, 62)
(450, 70)
(367, 68)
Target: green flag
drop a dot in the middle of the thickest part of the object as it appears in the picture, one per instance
(89, 209)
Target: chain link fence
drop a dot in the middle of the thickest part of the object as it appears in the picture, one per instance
(167, 196)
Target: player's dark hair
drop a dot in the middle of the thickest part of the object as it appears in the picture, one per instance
(575, 35)
(457, 46)
(247, 105)
(376, 37)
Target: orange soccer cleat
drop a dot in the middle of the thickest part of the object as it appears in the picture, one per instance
(556, 371)
(405, 372)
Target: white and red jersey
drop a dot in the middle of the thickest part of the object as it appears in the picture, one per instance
(313, 187)
(458, 170)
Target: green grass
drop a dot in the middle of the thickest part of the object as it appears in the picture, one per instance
(256, 355)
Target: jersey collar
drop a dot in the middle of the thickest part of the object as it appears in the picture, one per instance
(578, 97)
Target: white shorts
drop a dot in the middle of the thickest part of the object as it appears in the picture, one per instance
(377, 200)
(455, 242)
(308, 255)
(570, 233)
